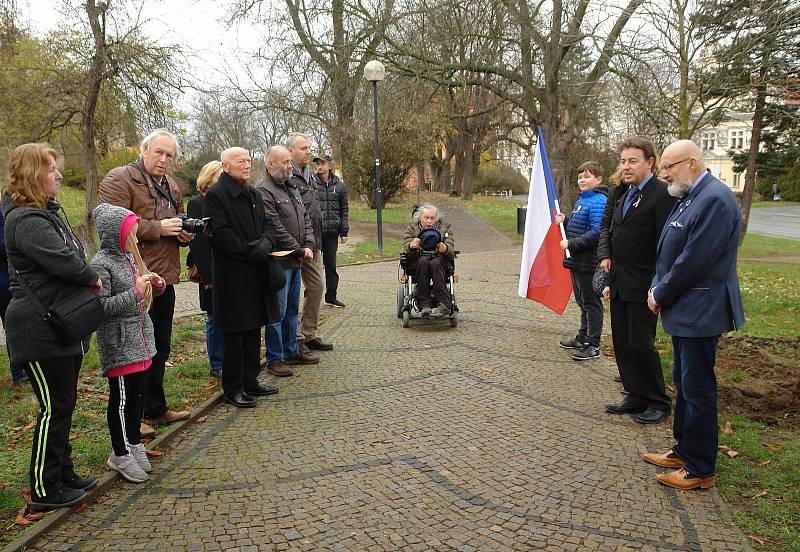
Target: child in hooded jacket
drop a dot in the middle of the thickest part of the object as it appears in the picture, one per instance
(125, 340)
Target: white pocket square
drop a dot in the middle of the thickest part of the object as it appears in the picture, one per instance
(676, 224)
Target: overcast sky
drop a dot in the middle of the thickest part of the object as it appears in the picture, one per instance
(198, 25)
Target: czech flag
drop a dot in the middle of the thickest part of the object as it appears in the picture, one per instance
(542, 277)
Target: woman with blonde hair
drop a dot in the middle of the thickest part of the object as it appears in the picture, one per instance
(44, 255)
(199, 266)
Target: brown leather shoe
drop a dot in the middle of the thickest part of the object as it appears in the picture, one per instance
(667, 460)
(146, 431)
(301, 358)
(170, 417)
(680, 479)
(279, 368)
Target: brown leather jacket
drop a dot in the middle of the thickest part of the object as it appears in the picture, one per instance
(412, 231)
(132, 188)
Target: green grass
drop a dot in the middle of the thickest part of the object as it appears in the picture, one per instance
(755, 246)
(499, 213)
(368, 251)
(186, 385)
(397, 211)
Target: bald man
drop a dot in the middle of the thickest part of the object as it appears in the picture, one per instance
(244, 301)
(696, 290)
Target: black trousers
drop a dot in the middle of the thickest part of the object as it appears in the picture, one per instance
(155, 403)
(432, 267)
(240, 360)
(591, 308)
(124, 412)
(330, 245)
(55, 384)
(633, 330)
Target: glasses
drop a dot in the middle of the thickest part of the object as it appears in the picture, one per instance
(668, 168)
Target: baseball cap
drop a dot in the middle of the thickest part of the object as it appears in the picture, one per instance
(324, 157)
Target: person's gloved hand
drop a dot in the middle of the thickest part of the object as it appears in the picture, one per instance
(260, 250)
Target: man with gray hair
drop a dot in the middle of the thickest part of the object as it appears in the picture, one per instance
(313, 272)
(285, 209)
(145, 188)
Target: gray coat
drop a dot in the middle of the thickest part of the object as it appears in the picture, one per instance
(50, 259)
(126, 336)
(285, 210)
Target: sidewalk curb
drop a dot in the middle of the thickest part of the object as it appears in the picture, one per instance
(105, 482)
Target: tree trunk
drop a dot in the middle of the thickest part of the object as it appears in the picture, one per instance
(96, 74)
(420, 176)
(469, 170)
(755, 140)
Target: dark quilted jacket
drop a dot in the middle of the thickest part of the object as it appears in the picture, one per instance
(333, 202)
(583, 229)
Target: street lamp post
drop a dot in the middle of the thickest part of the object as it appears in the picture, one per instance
(374, 72)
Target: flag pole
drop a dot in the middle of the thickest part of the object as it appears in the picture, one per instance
(561, 227)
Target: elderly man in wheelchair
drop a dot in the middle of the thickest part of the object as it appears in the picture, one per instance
(429, 256)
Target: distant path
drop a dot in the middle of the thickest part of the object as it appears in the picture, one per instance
(779, 222)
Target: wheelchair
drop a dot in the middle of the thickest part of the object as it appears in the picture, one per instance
(407, 306)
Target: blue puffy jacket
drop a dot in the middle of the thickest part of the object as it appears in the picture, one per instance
(583, 229)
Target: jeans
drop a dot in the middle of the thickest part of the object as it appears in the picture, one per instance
(213, 345)
(695, 423)
(591, 308)
(281, 337)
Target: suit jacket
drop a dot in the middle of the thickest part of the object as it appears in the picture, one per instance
(242, 300)
(630, 241)
(695, 282)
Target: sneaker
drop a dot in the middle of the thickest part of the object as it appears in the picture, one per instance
(63, 498)
(140, 453)
(19, 382)
(301, 358)
(80, 483)
(335, 303)
(425, 312)
(573, 343)
(441, 311)
(587, 353)
(128, 467)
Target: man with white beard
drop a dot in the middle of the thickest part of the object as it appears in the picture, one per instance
(696, 290)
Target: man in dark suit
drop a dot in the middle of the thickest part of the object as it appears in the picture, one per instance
(634, 216)
(696, 290)
(241, 241)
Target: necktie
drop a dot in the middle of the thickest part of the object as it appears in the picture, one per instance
(632, 193)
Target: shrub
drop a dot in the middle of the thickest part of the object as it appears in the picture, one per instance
(498, 177)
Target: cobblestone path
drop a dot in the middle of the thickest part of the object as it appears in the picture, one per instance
(483, 437)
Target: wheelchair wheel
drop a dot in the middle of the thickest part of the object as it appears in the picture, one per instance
(401, 296)
(454, 320)
(406, 318)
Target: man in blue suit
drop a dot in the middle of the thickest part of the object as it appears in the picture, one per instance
(696, 290)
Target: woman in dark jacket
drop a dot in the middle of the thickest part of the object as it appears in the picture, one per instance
(200, 258)
(43, 251)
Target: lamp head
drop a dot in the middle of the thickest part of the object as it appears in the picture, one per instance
(374, 71)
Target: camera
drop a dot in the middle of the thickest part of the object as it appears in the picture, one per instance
(195, 226)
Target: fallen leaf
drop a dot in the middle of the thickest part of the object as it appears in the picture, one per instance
(790, 485)
(728, 451)
(89, 414)
(209, 384)
(26, 494)
(103, 398)
(201, 419)
(24, 519)
(775, 447)
(487, 370)
(30, 425)
(80, 507)
(760, 540)
(154, 452)
(727, 428)
(765, 463)
(168, 364)
(759, 495)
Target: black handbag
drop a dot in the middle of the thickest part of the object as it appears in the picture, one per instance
(599, 280)
(75, 314)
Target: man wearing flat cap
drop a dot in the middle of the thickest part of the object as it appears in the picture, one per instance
(332, 194)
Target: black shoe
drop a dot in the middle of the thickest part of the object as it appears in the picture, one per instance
(63, 498)
(303, 348)
(241, 400)
(573, 343)
(335, 303)
(587, 353)
(261, 390)
(652, 416)
(625, 407)
(81, 483)
(318, 345)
